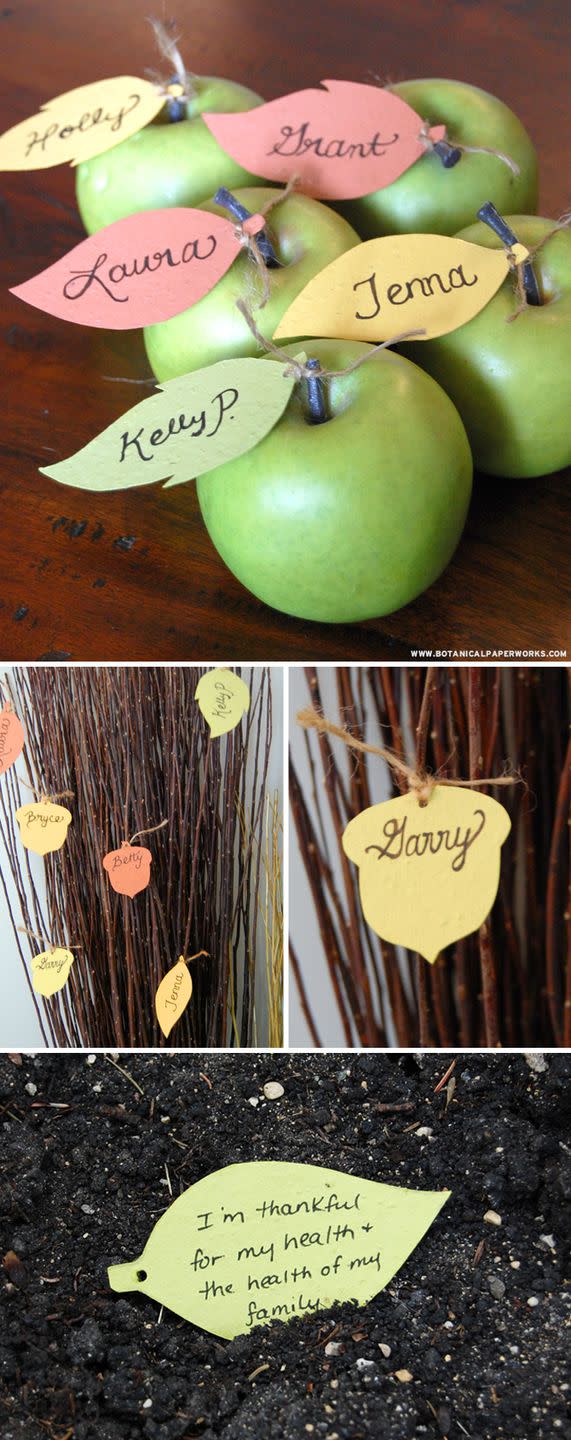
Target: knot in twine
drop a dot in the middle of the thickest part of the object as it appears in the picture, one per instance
(420, 782)
(245, 232)
(41, 795)
(517, 266)
(182, 88)
(300, 369)
(429, 140)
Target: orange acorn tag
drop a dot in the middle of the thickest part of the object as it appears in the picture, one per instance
(12, 738)
(129, 869)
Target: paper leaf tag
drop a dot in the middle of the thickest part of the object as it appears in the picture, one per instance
(50, 970)
(192, 424)
(398, 283)
(140, 270)
(12, 738)
(81, 123)
(342, 141)
(428, 874)
(173, 995)
(129, 869)
(223, 698)
(272, 1240)
(43, 826)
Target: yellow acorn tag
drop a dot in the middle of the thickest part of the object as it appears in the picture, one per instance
(43, 826)
(173, 995)
(223, 698)
(388, 286)
(50, 970)
(272, 1240)
(428, 874)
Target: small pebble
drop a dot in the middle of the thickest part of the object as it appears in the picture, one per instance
(403, 1375)
(491, 1217)
(90, 1059)
(536, 1062)
(496, 1287)
(30, 1088)
(533, 1301)
(548, 1240)
(88, 1210)
(424, 1132)
(253, 1100)
(334, 1347)
(147, 1404)
(385, 1350)
(273, 1090)
(365, 1364)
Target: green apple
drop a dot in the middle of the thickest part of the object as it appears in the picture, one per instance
(431, 199)
(306, 236)
(509, 378)
(350, 519)
(165, 163)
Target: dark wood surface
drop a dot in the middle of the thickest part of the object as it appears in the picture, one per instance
(135, 577)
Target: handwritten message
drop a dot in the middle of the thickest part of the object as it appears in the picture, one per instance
(429, 283)
(140, 270)
(223, 698)
(271, 1240)
(428, 874)
(341, 141)
(193, 424)
(12, 738)
(129, 869)
(43, 826)
(81, 123)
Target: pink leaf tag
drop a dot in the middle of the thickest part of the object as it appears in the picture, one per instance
(342, 141)
(140, 270)
(129, 869)
(12, 738)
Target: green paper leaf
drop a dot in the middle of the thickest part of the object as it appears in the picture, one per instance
(192, 424)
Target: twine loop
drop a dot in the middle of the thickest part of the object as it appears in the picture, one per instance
(150, 830)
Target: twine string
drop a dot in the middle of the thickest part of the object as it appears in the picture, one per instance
(150, 830)
(250, 244)
(426, 139)
(42, 796)
(421, 782)
(167, 46)
(516, 266)
(186, 959)
(302, 371)
(23, 929)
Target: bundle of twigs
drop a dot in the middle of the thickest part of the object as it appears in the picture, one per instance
(508, 984)
(133, 747)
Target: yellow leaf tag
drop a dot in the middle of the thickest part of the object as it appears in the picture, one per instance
(271, 1240)
(81, 123)
(50, 970)
(173, 995)
(398, 283)
(222, 697)
(43, 826)
(428, 874)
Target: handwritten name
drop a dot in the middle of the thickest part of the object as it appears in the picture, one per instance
(4, 733)
(223, 699)
(82, 280)
(399, 842)
(398, 294)
(299, 142)
(220, 404)
(88, 121)
(172, 1001)
(121, 857)
(51, 962)
(43, 818)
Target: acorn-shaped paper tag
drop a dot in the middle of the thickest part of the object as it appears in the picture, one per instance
(386, 287)
(12, 738)
(43, 826)
(192, 424)
(428, 874)
(173, 995)
(50, 970)
(272, 1240)
(223, 698)
(81, 123)
(129, 868)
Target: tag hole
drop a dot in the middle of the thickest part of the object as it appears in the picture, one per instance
(141, 1274)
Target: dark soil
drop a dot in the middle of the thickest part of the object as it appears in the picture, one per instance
(84, 1180)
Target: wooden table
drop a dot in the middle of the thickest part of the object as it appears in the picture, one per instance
(134, 577)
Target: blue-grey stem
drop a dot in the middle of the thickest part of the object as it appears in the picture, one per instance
(176, 104)
(317, 410)
(448, 154)
(496, 222)
(229, 202)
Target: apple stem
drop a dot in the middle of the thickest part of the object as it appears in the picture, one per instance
(229, 202)
(496, 222)
(316, 395)
(448, 154)
(176, 105)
